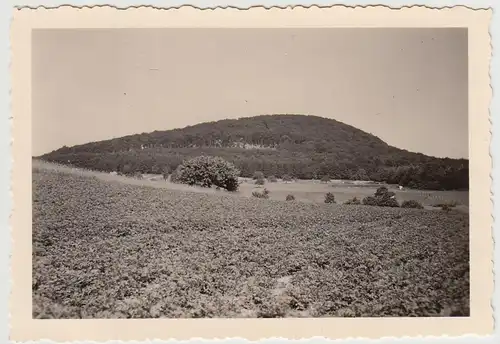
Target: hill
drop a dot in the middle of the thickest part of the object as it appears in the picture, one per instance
(302, 146)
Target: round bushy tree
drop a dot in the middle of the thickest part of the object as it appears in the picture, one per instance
(206, 171)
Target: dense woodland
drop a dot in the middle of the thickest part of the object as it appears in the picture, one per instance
(304, 147)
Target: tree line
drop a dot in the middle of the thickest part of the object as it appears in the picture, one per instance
(431, 175)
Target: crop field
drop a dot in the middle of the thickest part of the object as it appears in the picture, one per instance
(105, 248)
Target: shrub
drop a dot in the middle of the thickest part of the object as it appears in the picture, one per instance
(329, 198)
(287, 178)
(449, 204)
(387, 201)
(446, 207)
(370, 200)
(272, 179)
(412, 204)
(263, 194)
(382, 198)
(290, 198)
(353, 201)
(206, 171)
(258, 175)
(325, 179)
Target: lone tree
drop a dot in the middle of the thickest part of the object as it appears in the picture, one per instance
(206, 171)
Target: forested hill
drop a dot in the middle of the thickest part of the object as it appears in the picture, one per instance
(301, 146)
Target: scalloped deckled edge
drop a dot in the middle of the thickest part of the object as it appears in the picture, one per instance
(491, 174)
(124, 8)
(274, 7)
(275, 340)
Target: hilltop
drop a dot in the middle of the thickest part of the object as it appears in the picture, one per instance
(303, 146)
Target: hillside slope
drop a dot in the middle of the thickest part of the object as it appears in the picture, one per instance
(303, 146)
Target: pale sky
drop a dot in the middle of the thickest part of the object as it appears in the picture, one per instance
(407, 86)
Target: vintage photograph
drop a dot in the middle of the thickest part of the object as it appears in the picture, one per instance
(250, 173)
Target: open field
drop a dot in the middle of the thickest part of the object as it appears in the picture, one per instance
(314, 191)
(105, 248)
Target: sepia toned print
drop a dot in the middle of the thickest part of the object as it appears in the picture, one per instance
(306, 173)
